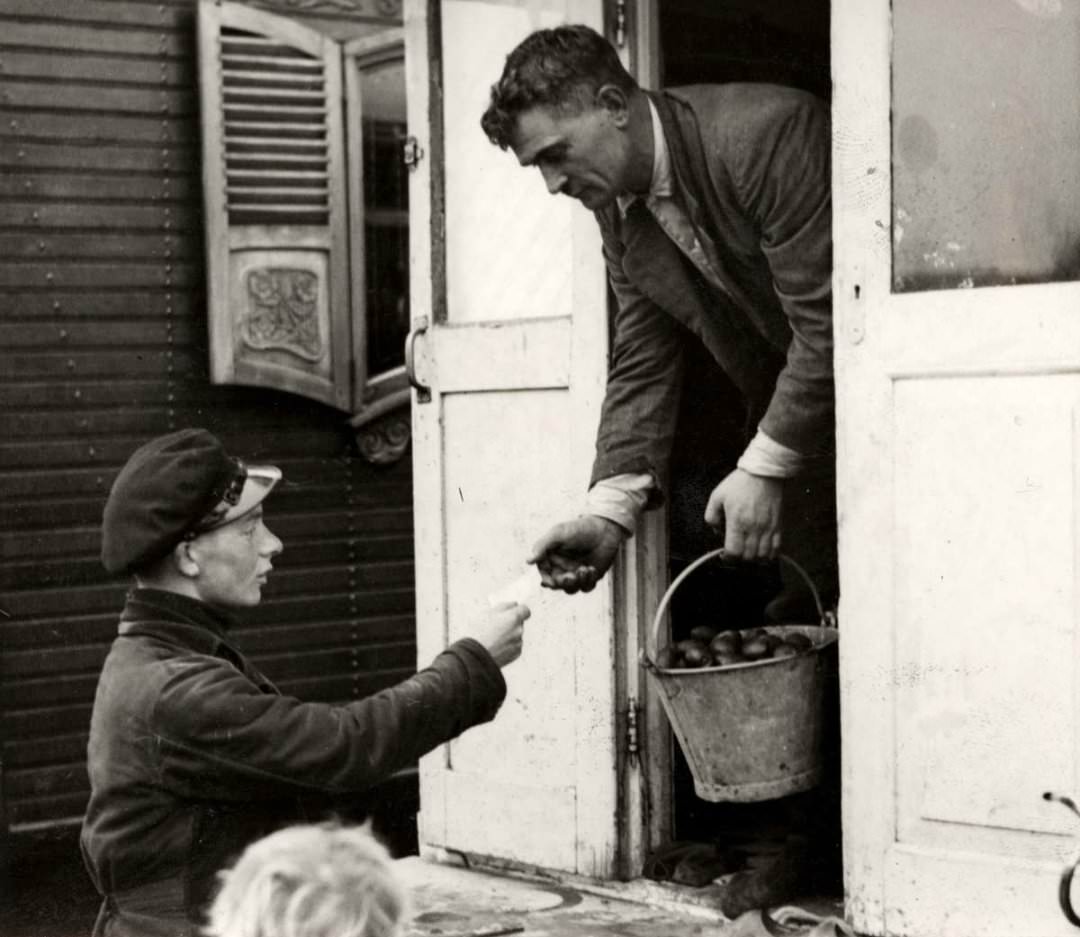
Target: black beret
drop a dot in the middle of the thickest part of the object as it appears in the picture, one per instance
(171, 487)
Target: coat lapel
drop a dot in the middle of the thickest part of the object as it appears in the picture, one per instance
(656, 266)
(686, 182)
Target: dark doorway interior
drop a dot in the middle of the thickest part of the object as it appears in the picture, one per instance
(703, 41)
(783, 42)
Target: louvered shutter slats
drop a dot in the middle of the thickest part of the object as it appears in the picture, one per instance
(277, 95)
(277, 107)
(255, 149)
(274, 179)
(256, 134)
(245, 70)
(257, 176)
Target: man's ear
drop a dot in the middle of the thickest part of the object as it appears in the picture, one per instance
(614, 100)
(185, 560)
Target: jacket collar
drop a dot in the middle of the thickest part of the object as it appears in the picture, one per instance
(692, 183)
(681, 175)
(660, 182)
(176, 617)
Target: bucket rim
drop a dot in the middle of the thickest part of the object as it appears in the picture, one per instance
(826, 621)
(830, 637)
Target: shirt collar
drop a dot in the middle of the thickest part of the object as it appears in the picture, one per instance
(660, 182)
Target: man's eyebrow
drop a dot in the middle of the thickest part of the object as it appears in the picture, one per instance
(550, 150)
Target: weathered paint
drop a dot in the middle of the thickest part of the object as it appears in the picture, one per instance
(957, 462)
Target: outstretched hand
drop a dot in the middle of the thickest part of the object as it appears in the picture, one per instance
(574, 555)
(746, 509)
(502, 631)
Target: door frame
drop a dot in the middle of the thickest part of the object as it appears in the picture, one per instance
(641, 575)
(647, 556)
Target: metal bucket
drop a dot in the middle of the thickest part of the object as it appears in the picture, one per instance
(751, 731)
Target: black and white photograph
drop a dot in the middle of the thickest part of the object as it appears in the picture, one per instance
(544, 468)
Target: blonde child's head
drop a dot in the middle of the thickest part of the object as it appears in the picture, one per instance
(320, 880)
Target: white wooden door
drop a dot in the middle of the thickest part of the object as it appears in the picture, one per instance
(957, 184)
(510, 339)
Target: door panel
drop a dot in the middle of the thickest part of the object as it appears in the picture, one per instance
(504, 356)
(957, 480)
(977, 200)
(984, 636)
(515, 358)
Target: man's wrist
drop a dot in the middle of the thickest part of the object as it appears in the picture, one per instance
(766, 458)
(619, 521)
(620, 499)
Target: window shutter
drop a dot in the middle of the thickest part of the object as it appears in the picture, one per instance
(276, 209)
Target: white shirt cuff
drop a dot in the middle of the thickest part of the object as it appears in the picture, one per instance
(769, 459)
(620, 498)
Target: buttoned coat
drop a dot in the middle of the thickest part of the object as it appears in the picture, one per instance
(751, 169)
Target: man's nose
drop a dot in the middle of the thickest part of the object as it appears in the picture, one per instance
(554, 179)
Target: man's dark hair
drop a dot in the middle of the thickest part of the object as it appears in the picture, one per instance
(560, 68)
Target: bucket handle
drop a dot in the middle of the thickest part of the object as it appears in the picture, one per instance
(827, 619)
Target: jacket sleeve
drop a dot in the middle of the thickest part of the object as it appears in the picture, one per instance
(784, 177)
(644, 383)
(220, 736)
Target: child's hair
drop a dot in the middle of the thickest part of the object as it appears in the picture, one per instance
(319, 880)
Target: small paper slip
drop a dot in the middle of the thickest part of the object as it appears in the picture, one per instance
(520, 590)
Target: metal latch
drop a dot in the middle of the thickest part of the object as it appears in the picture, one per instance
(411, 151)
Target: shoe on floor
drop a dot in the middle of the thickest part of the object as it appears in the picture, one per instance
(797, 872)
(689, 863)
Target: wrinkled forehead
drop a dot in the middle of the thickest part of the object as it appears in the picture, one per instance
(533, 133)
(543, 128)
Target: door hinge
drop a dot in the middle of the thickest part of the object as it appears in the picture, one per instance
(411, 151)
(631, 744)
(618, 23)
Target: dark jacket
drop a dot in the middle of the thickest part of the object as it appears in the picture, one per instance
(193, 754)
(751, 169)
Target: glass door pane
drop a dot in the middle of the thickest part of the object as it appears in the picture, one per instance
(386, 213)
(985, 142)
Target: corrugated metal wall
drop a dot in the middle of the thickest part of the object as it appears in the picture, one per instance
(103, 343)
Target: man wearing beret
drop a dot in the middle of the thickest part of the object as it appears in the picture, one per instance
(193, 753)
